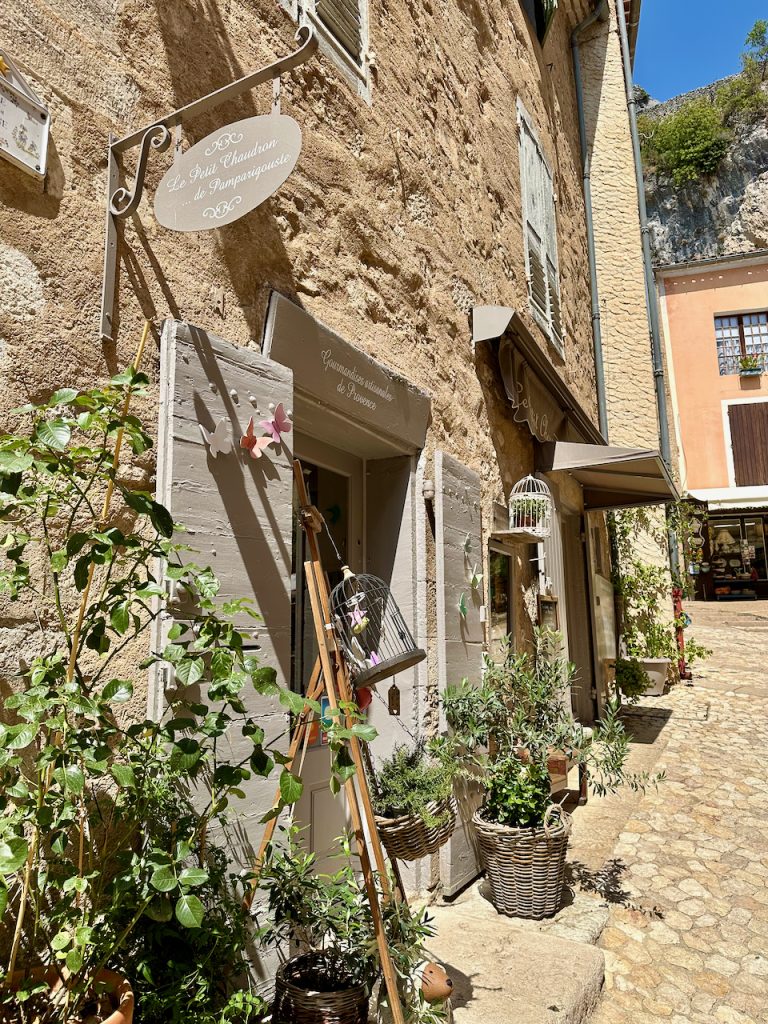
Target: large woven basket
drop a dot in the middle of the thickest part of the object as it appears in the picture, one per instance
(408, 838)
(525, 866)
(300, 997)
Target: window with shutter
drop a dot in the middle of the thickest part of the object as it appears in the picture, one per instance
(342, 27)
(540, 233)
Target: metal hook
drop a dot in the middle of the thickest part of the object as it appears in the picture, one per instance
(123, 202)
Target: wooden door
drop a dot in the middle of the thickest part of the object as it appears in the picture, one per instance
(579, 620)
(749, 443)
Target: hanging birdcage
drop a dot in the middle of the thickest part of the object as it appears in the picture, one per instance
(530, 510)
(374, 638)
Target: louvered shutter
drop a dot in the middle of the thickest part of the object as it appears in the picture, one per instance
(343, 18)
(537, 282)
(458, 541)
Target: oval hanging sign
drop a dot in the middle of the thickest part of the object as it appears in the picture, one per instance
(228, 173)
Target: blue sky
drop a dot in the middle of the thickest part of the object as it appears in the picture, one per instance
(683, 44)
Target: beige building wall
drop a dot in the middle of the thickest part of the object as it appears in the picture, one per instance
(632, 417)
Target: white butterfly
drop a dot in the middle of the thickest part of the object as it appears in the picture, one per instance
(219, 442)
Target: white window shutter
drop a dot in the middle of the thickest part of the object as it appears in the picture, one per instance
(537, 282)
(343, 18)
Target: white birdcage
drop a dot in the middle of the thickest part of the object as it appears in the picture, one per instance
(530, 510)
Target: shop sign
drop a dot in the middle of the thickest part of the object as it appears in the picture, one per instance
(228, 173)
(343, 377)
(24, 121)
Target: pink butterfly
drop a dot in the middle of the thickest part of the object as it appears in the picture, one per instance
(255, 445)
(278, 425)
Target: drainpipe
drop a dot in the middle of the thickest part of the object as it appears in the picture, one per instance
(653, 309)
(599, 14)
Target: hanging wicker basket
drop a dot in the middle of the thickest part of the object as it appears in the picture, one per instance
(525, 866)
(372, 632)
(301, 996)
(408, 838)
(530, 511)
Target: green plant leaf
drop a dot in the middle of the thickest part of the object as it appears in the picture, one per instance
(71, 778)
(364, 732)
(3, 899)
(221, 664)
(13, 853)
(74, 960)
(14, 462)
(291, 787)
(82, 569)
(185, 754)
(189, 911)
(161, 519)
(120, 617)
(54, 434)
(117, 691)
(19, 736)
(265, 680)
(295, 702)
(59, 561)
(123, 775)
(160, 909)
(189, 670)
(164, 878)
(64, 396)
(193, 877)
(462, 605)
(261, 762)
(61, 940)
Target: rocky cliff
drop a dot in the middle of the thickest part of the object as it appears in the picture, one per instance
(726, 213)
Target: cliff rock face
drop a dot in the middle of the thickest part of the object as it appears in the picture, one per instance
(724, 214)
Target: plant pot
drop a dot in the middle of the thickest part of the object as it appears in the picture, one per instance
(408, 838)
(524, 866)
(657, 670)
(756, 372)
(300, 997)
(120, 991)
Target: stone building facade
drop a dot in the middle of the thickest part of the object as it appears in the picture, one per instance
(407, 212)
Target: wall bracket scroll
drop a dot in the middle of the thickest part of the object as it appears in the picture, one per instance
(122, 200)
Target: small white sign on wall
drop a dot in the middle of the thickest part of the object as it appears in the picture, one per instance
(24, 121)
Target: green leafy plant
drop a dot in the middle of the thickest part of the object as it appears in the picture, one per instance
(631, 679)
(88, 862)
(750, 363)
(687, 144)
(530, 510)
(505, 731)
(409, 780)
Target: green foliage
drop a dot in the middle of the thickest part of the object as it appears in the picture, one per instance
(310, 910)
(756, 52)
(688, 144)
(631, 678)
(408, 780)
(504, 732)
(750, 363)
(742, 99)
(105, 815)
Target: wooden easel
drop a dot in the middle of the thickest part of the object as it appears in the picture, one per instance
(329, 677)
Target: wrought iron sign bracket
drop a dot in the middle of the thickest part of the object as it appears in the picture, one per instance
(122, 201)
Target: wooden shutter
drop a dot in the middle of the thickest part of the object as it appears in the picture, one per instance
(749, 443)
(458, 541)
(343, 18)
(238, 511)
(540, 234)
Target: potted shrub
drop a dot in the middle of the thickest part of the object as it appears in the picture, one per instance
(322, 929)
(631, 679)
(414, 804)
(750, 366)
(507, 731)
(105, 830)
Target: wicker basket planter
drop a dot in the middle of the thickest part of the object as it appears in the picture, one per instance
(408, 838)
(302, 995)
(524, 866)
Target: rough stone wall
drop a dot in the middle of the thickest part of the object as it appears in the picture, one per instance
(400, 215)
(632, 418)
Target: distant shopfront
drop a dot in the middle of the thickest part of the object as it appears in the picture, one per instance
(733, 564)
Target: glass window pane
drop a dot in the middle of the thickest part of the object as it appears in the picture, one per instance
(728, 344)
(756, 335)
(500, 614)
(754, 548)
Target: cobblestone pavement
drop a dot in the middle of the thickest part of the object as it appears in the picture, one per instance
(687, 881)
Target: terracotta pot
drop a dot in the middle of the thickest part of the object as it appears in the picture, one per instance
(120, 991)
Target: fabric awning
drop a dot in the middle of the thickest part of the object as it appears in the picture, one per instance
(611, 477)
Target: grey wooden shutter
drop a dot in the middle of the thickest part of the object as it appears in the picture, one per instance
(535, 219)
(238, 511)
(458, 542)
(343, 18)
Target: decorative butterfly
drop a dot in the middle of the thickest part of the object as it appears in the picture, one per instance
(219, 442)
(358, 620)
(255, 445)
(279, 424)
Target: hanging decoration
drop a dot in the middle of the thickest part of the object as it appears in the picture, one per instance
(280, 424)
(255, 445)
(530, 511)
(372, 632)
(219, 442)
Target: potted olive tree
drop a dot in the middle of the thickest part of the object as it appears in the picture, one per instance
(414, 803)
(507, 732)
(107, 823)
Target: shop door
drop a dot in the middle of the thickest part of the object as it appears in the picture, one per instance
(334, 481)
(579, 621)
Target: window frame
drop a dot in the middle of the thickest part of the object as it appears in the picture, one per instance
(545, 233)
(304, 12)
(722, 364)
